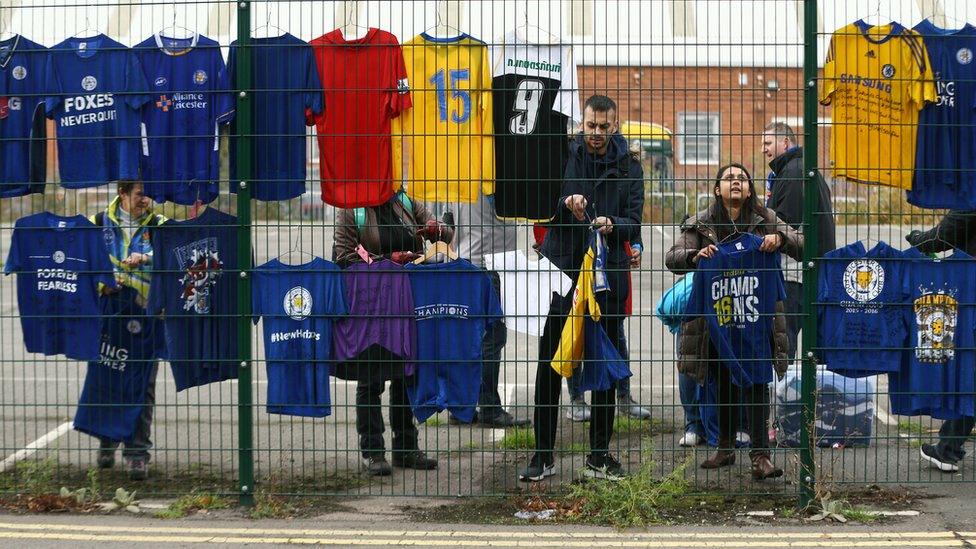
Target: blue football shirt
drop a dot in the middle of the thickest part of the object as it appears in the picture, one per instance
(298, 304)
(454, 302)
(937, 373)
(736, 291)
(194, 282)
(287, 90)
(863, 296)
(189, 98)
(115, 387)
(945, 154)
(97, 88)
(59, 263)
(23, 158)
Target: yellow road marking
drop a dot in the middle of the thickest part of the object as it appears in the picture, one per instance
(494, 534)
(237, 540)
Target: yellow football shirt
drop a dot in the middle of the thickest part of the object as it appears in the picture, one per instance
(449, 146)
(876, 79)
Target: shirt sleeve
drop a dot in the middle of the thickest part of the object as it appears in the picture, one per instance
(400, 99)
(568, 99)
(53, 83)
(337, 294)
(493, 304)
(314, 102)
(136, 86)
(696, 301)
(922, 85)
(154, 302)
(14, 260)
(223, 95)
(101, 264)
(828, 84)
(487, 125)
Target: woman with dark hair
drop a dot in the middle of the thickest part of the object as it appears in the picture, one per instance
(735, 210)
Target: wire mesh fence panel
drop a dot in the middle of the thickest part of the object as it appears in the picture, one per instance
(469, 247)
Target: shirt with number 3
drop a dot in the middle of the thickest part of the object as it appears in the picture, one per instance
(448, 134)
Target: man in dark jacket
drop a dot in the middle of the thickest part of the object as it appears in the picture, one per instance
(956, 230)
(603, 190)
(784, 195)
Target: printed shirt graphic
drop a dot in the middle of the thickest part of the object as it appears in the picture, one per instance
(98, 88)
(864, 294)
(59, 263)
(287, 92)
(736, 291)
(298, 304)
(387, 322)
(194, 281)
(448, 134)
(937, 374)
(454, 302)
(22, 132)
(114, 393)
(945, 166)
(366, 87)
(876, 79)
(189, 97)
(535, 98)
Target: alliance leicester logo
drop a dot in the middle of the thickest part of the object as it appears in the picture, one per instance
(864, 279)
(164, 103)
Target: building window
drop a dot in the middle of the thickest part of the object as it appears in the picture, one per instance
(698, 137)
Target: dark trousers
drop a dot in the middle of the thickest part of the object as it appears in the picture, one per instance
(549, 384)
(754, 402)
(138, 447)
(793, 307)
(369, 417)
(496, 336)
(952, 436)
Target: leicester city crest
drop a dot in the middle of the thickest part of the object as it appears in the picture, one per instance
(864, 279)
(964, 56)
(200, 77)
(298, 303)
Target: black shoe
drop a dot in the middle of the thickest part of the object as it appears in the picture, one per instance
(414, 460)
(537, 470)
(504, 419)
(106, 458)
(377, 466)
(605, 467)
(930, 454)
(451, 420)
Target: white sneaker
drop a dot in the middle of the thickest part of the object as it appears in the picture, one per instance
(690, 439)
(743, 437)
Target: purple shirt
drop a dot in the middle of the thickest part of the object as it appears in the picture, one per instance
(380, 305)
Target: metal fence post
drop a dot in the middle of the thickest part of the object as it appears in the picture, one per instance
(811, 231)
(243, 143)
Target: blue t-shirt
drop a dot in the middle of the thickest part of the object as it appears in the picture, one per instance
(736, 291)
(945, 157)
(937, 373)
(863, 296)
(115, 387)
(60, 261)
(286, 89)
(454, 302)
(189, 97)
(23, 158)
(194, 281)
(298, 303)
(97, 88)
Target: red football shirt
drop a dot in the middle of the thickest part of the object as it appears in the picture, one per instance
(365, 87)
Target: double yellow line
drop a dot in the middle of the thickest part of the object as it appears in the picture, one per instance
(470, 538)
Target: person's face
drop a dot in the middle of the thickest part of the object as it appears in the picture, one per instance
(134, 201)
(733, 187)
(597, 129)
(774, 145)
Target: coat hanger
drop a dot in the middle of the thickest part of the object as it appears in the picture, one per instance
(176, 31)
(945, 19)
(295, 248)
(438, 247)
(350, 28)
(88, 30)
(5, 33)
(876, 18)
(267, 30)
(533, 34)
(442, 27)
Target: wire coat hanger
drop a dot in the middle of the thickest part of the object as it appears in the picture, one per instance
(265, 30)
(83, 33)
(533, 34)
(175, 31)
(876, 18)
(350, 28)
(442, 28)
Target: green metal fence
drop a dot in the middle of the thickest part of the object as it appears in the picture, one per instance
(696, 83)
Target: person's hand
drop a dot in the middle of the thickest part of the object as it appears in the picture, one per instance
(577, 204)
(432, 230)
(135, 259)
(635, 258)
(402, 258)
(603, 224)
(771, 242)
(707, 252)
